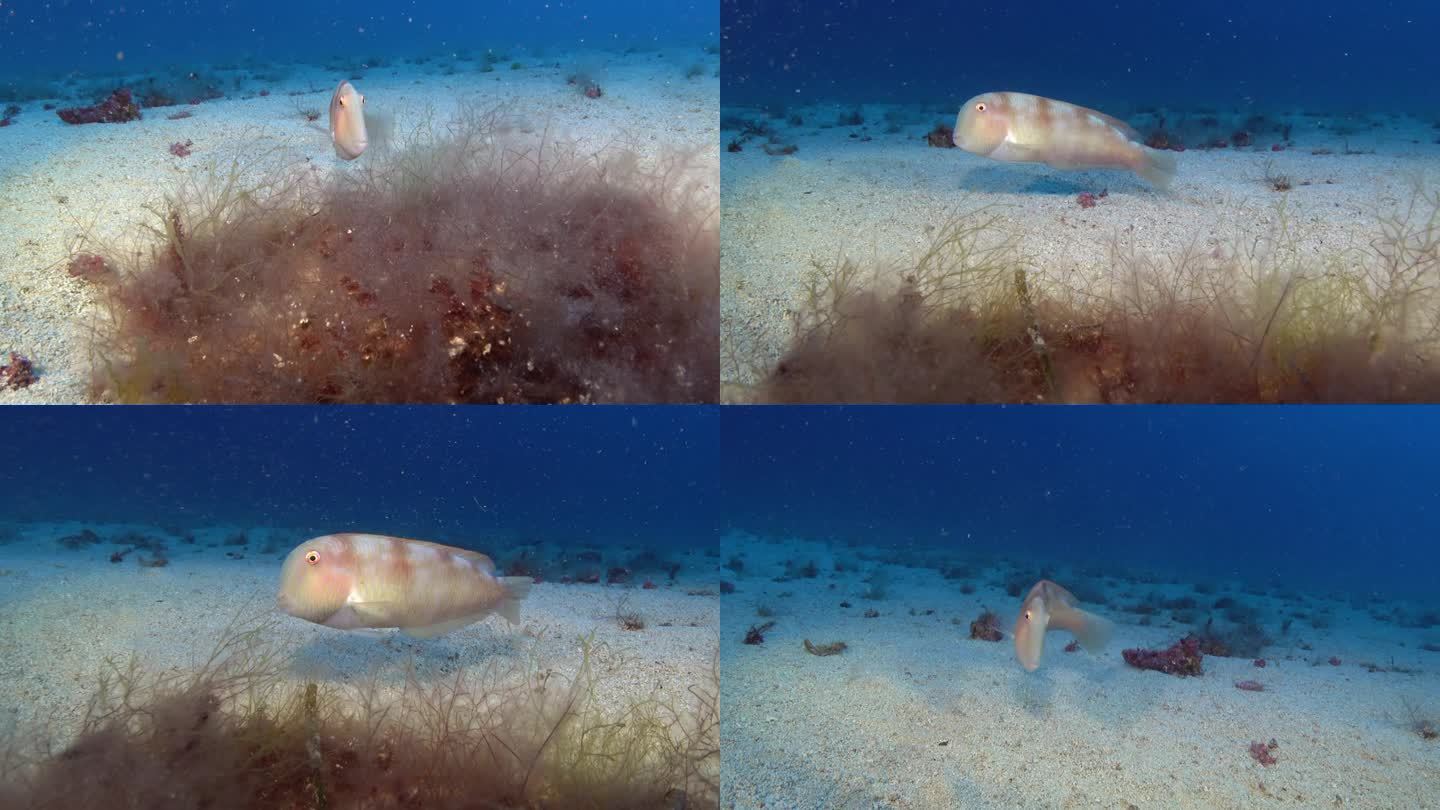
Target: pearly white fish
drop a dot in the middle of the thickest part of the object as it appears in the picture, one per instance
(1022, 128)
(347, 121)
(352, 581)
(1050, 607)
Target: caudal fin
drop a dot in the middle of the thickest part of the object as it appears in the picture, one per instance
(1093, 632)
(517, 588)
(1157, 167)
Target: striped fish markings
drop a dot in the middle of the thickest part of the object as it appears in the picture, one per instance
(350, 581)
(1021, 128)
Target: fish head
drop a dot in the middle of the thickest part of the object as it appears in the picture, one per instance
(1030, 631)
(983, 124)
(317, 578)
(347, 121)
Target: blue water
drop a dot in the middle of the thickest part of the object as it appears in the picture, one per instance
(1334, 498)
(642, 476)
(94, 37)
(1332, 55)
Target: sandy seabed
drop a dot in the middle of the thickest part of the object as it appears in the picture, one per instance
(915, 714)
(60, 182)
(64, 612)
(877, 191)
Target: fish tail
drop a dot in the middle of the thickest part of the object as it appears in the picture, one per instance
(1157, 167)
(1093, 632)
(516, 589)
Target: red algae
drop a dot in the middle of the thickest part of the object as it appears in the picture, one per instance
(18, 373)
(89, 267)
(1261, 752)
(117, 109)
(1183, 658)
(987, 627)
(941, 137)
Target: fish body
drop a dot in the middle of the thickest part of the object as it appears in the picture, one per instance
(1022, 128)
(1050, 607)
(347, 121)
(351, 581)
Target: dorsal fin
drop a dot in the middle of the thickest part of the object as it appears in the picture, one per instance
(1125, 129)
(1056, 594)
(485, 562)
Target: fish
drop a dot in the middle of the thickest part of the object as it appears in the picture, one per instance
(347, 121)
(355, 581)
(1021, 128)
(1050, 607)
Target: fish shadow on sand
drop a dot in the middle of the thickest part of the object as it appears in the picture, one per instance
(1038, 693)
(1019, 178)
(338, 654)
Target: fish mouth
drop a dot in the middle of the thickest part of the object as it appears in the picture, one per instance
(282, 603)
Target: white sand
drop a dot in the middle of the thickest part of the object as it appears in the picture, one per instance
(917, 715)
(883, 197)
(108, 172)
(65, 612)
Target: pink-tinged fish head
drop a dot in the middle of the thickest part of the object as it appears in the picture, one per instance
(347, 121)
(317, 578)
(983, 123)
(1030, 631)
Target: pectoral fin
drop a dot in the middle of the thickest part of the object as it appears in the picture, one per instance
(360, 614)
(441, 628)
(1014, 152)
(373, 614)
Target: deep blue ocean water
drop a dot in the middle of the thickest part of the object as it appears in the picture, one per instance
(644, 476)
(1310, 497)
(90, 36)
(1328, 55)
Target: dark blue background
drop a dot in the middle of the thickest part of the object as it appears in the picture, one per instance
(1337, 55)
(1341, 497)
(85, 35)
(566, 475)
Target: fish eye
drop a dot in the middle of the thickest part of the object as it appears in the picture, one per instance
(312, 557)
(1027, 613)
(362, 101)
(981, 108)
